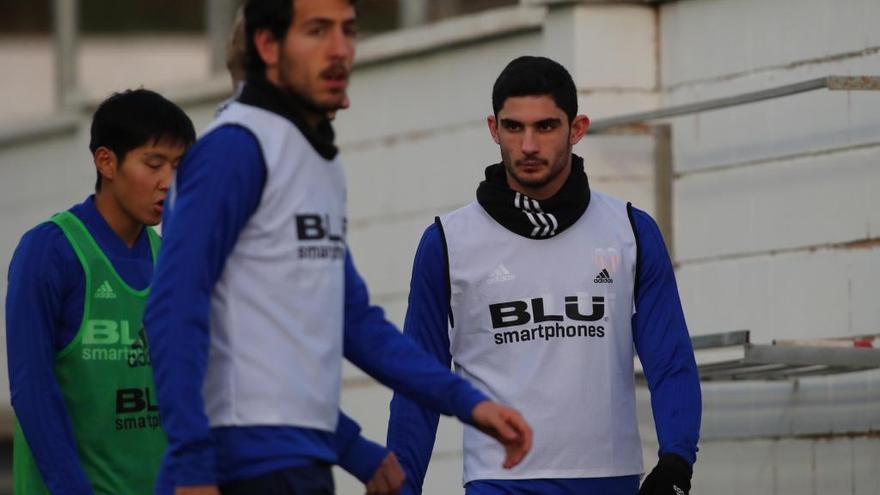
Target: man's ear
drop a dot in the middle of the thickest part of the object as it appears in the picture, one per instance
(493, 128)
(106, 163)
(578, 128)
(267, 46)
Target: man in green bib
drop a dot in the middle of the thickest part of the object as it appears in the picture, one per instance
(79, 369)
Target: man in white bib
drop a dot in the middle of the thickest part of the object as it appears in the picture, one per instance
(258, 298)
(540, 292)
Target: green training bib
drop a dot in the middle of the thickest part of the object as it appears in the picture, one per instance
(106, 381)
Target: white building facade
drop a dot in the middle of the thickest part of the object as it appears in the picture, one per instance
(770, 207)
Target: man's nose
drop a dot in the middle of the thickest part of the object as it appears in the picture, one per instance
(341, 46)
(530, 142)
(166, 177)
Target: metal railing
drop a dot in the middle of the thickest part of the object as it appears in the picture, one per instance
(832, 83)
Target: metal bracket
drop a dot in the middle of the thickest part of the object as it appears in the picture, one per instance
(782, 360)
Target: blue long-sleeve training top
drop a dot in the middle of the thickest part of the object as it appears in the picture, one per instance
(661, 341)
(218, 188)
(44, 310)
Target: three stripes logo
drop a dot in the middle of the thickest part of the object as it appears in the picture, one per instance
(603, 277)
(105, 291)
(500, 274)
(545, 224)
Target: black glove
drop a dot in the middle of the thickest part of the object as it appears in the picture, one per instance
(672, 476)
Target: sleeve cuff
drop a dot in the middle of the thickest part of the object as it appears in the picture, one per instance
(676, 463)
(463, 406)
(195, 468)
(689, 456)
(362, 458)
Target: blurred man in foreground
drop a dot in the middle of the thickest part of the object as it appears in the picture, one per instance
(261, 298)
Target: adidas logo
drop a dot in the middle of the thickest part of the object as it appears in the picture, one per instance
(500, 274)
(105, 291)
(678, 491)
(603, 277)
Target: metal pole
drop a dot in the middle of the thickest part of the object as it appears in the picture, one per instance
(663, 183)
(218, 21)
(66, 38)
(833, 83)
(413, 12)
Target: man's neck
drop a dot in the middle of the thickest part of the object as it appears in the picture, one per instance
(313, 120)
(125, 227)
(264, 93)
(311, 115)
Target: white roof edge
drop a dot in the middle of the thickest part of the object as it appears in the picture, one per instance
(450, 32)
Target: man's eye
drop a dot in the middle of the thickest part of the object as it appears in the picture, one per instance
(512, 127)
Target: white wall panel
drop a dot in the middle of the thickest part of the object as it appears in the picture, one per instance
(811, 201)
(418, 177)
(383, 253)
(711, 39)
(789, 467)
(622, 166)
(809, 406)
(808, 122)
(807, 294)
(592, 40)
(426, 92)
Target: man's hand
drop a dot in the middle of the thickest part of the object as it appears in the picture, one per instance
(197, 490)
(672, 476)
(388, 478)
(507, 426)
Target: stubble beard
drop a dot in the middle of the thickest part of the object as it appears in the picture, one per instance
(558, 165)
(285, 67)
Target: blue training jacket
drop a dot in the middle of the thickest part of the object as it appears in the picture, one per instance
(218, 187)
(666, 357)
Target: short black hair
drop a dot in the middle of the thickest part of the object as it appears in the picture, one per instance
(274, 15)
(536, 76)
(132, 118)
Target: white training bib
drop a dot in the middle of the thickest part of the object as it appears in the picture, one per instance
(277, 309)
(545, 326)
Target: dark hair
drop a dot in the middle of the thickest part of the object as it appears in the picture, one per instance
(134, 117)
(236, 49)
(274, 15)
(536, 76)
